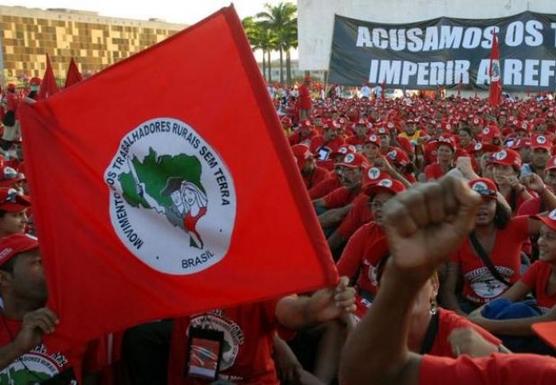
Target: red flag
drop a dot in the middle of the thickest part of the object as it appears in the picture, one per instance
(495, 89)
(48, 84)
(73, 75)
(173, 202)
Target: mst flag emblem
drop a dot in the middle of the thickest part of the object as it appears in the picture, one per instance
(167, 185)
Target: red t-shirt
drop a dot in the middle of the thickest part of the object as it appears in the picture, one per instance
(433, 171)
(447, 322)
(479, 284)
(340, 197)
(318, 175)
(364, 250)
(39, 363)
(359, 214)
(304, 98)
(496, 369)
(248, 345)
(325, 187)
(536, 278)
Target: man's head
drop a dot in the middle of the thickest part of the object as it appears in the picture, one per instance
(541, 147)
(13, 211)
(381, 192)
(351, 170)
(22, 277)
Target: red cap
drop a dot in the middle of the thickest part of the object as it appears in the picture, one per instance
(344, 150)
(551, 164)
(398, 156)
(14, 244)
(353, 161)
(546, 331)
(35, 81)
(373, 175)
(540, 141)
(521, 143)
(9, 176)
(549, 219)
(506, 158)
(13, 202)
(301, 153)
(390, 185)
(484, 186)
(447, 141)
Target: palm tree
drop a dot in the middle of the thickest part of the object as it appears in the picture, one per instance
(261, 37)
(254, 34)
(281, 21)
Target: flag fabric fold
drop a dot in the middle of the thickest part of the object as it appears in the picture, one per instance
(164, 186)
(48, 84)
(73, 75)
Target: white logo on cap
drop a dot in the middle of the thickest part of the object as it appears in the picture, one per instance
(4, 253)
(486, 130)
(349, 158)
(343, 150)
(480, 187)
(524, 125)
(373, 173)
(541, 139)
(478, 146)
(385, 183)
(552, 215)
(392, 155)
(501, 155)
(390, 125)
(373, 138)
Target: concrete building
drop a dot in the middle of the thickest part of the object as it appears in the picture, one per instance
(28, 34)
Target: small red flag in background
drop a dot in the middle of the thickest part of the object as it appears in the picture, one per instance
(73, 75)
(180, 200)
(495, 88)
(48, 84)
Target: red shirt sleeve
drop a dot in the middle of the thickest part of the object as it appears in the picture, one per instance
(520, 227)
(496, 369)
(336, 198)
(353, 252)
(324, 187)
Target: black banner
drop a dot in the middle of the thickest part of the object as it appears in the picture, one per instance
(446, 52)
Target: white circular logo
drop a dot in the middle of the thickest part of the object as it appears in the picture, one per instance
(385, 183)
(478, 146)
(480, 187)
(373, 173)
(373, 138)
(343, 150)
(501, 155)
(552, 215)
(349, 158)
(486, 130)
(172, 198)
(392, 155)
(541, 140)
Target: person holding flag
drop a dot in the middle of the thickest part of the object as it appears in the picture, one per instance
(495, 88)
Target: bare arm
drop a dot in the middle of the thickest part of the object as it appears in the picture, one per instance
(513, 327)
(333, 216)
(296, 312)
(448, 290)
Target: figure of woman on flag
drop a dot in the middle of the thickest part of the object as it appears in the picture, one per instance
(189, 204)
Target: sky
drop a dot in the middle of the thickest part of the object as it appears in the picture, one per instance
(175, 11)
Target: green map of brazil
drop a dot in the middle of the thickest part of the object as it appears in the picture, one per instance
(154, 172)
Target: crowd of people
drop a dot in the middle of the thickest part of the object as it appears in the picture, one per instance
(463, 266)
